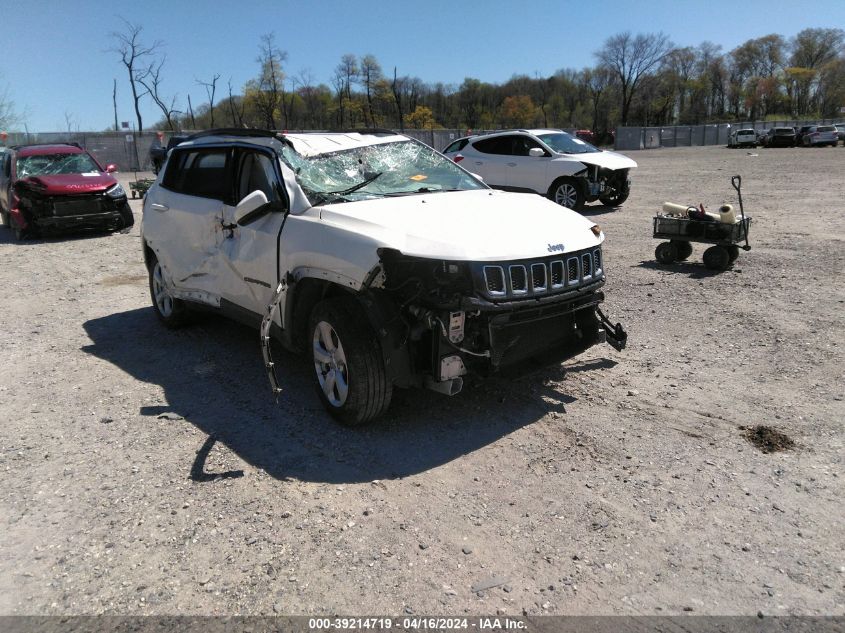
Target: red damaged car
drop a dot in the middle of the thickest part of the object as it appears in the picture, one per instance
(53, 187)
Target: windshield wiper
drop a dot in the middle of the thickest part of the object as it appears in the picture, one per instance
(420, 190)
(322, 196)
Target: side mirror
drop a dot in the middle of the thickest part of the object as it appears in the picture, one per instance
(248, 208)
(536, 152)
(111, 168)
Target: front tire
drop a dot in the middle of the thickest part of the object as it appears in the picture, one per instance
(172, 312)
(717, 258)
(615, 198)
(349, 371)
(126, 217)
(684, 249)
(567, 192)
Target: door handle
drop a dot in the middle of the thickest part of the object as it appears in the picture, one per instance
(159, 207)
(478, 162)
(511, 164)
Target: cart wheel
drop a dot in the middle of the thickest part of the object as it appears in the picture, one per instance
(684, 249)
(733, 252)
(717, 258)
(666, 252)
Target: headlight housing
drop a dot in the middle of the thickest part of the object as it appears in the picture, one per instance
(116, 192)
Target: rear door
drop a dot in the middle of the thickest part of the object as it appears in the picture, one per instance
(249, 255)
(488, 159)
(183, 218)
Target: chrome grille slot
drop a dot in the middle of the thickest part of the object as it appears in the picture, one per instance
(587, 265)
(558, 274)
(519, 279)
(494, 277)
(538, 278)
(572, 276)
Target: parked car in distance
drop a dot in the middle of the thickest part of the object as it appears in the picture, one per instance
(779, 137)
(800, 131)
(840, 132)
(158, 152)
(552, 163)
(57, 186)
(820, 135)
(743, 138)
(586, 135)
(384, 263)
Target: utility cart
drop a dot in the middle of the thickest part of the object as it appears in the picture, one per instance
(724, 237)
(139, 188)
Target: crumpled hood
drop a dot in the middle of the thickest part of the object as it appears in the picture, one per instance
(608, 160)
(480, 225)
(70, 184)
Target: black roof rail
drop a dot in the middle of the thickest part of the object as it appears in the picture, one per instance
(235, 131)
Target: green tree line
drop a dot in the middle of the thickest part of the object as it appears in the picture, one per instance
(641, 79)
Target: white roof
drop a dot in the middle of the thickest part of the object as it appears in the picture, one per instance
(314, 144)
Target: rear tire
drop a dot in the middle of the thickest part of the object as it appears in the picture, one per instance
(349, 371)
(666, 253)
(567, 192)
(172, 312)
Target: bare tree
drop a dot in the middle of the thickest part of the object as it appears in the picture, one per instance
(370, 75)
(191, 113)
(398, 87)
(132, 54)
(631, 58)
(345, 74)
(69, 121)
(210, 90)
(237, 113)
(114, 103)
(268, 88)
(151, 80)
(9, 115)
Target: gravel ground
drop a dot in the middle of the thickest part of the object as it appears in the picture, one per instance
(150, 472)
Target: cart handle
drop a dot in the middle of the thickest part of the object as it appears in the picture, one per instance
(736, 181)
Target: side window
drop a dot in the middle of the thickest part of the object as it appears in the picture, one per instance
(457, 146)
(202, 173)
(257, 173)
(497, 145)
(521, 145)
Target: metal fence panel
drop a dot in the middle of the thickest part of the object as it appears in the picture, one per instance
(709, 134)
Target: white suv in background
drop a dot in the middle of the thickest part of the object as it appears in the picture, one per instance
(383, 262)
(555, 164)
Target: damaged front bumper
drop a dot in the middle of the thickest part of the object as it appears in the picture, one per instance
(550, 332)
(68, 212)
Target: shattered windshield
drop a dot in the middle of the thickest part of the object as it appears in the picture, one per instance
(567, 144)
(376, 171)
(53, 164)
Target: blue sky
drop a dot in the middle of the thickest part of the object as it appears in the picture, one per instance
(55, 60)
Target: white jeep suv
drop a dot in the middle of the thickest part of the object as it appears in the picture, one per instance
(386, 264)
(549, 162)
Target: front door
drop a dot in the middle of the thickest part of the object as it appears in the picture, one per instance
(249, 256)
